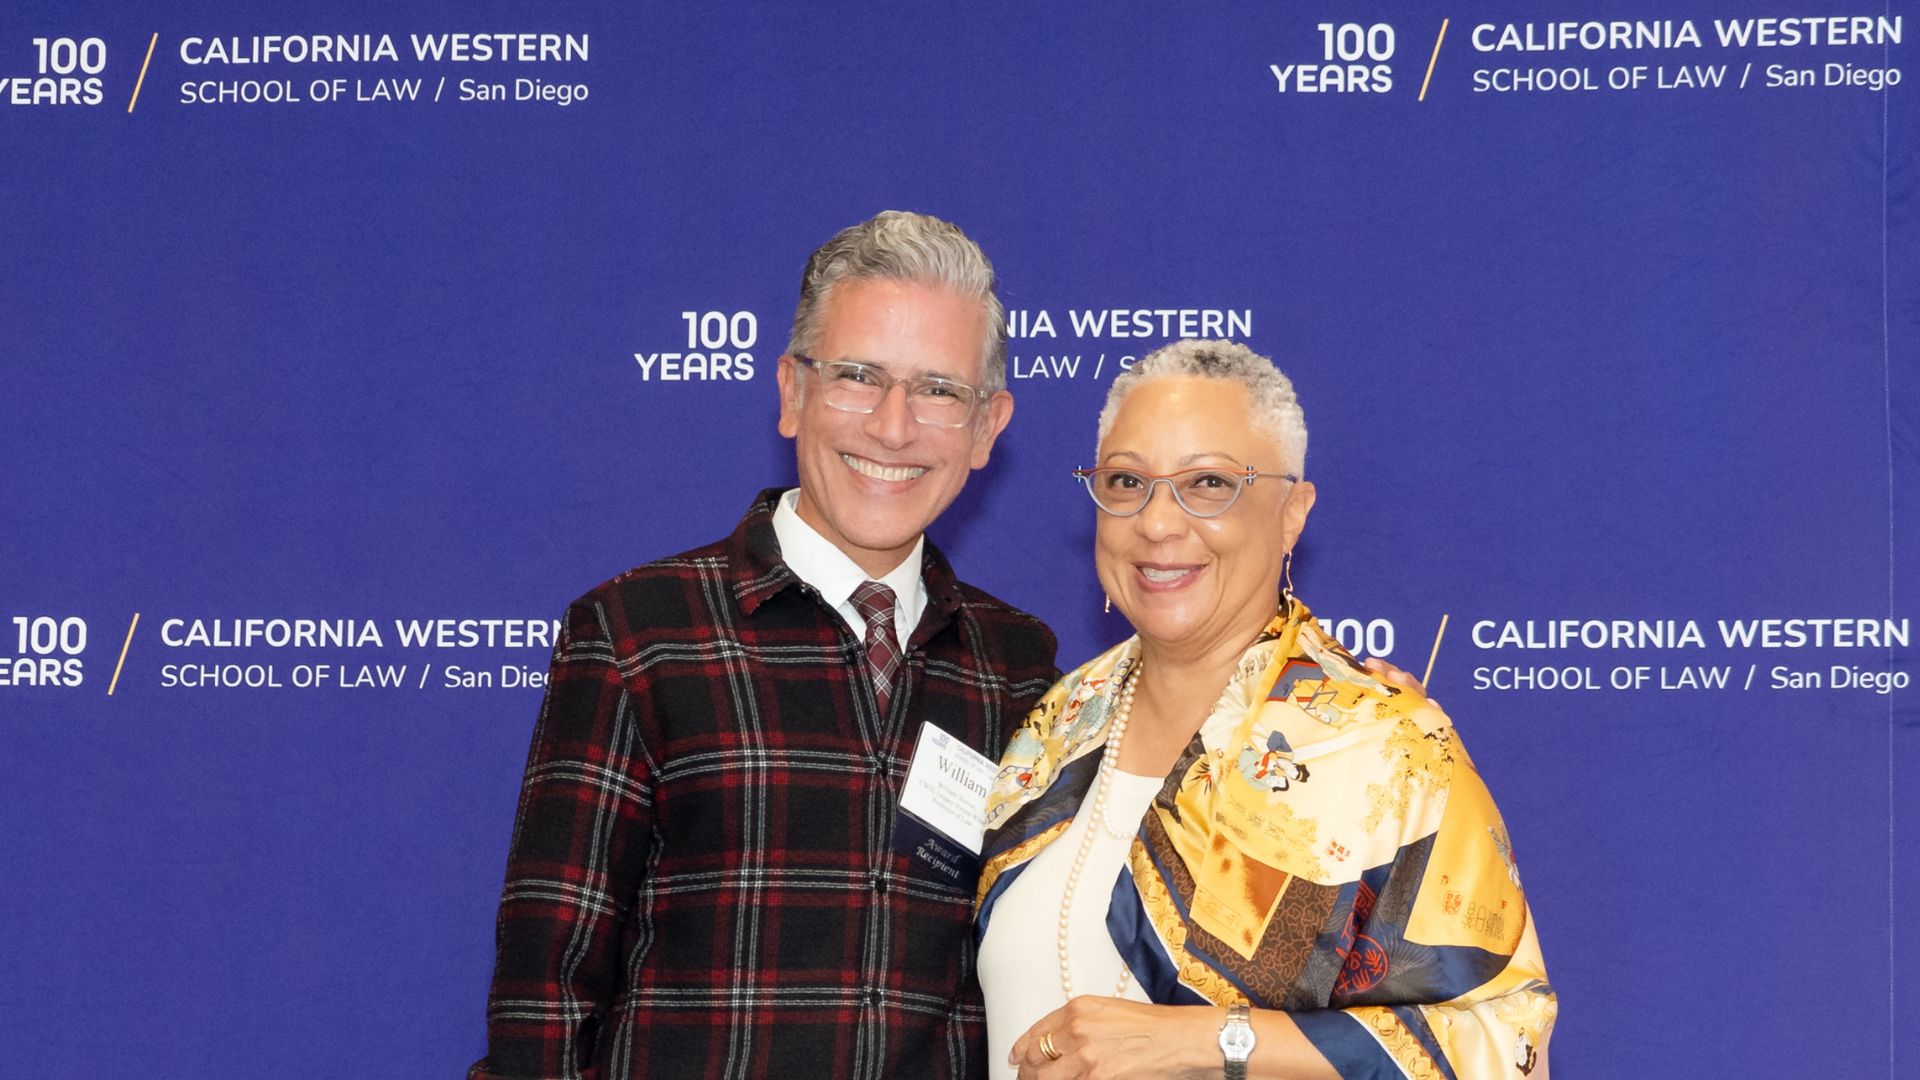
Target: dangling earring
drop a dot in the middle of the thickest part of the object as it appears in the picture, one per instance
(1286, 581)
(1109, 605)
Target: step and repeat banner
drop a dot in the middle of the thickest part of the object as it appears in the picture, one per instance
(343, 344)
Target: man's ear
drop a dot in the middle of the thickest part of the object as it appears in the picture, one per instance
(787, 373)
(999, 411)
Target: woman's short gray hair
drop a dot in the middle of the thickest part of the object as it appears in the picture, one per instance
(1276, 410)
(897, 245)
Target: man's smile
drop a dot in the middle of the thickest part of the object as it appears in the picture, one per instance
(883, 472)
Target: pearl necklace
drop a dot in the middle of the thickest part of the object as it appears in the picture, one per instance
(1109, 761)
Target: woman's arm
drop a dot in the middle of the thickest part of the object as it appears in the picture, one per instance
(1111, 1039)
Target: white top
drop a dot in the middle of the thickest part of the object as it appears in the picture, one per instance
(1020, 958)
(814, 560)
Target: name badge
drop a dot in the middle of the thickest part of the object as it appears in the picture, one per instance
(943, 811)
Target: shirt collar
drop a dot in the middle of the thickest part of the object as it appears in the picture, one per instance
(759, 572)
(815, 560)
(753, 552)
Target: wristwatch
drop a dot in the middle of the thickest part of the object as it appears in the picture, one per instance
(1236, 1041)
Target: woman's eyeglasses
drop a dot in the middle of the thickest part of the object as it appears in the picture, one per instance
(1204, 493)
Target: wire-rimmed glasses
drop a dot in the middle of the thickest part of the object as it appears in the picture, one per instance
(854, 387)
(1204, 493)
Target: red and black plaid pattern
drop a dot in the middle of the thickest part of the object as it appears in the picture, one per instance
(702, 880)
(875, 604)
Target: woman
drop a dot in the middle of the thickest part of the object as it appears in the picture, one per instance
(1228, 810)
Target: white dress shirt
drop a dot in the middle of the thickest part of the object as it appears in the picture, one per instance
(815, 560)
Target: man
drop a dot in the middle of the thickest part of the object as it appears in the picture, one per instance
(703, 879)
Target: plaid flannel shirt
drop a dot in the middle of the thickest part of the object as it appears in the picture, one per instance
(702, 880)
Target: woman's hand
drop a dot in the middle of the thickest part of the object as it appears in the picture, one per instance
(1111, 1039)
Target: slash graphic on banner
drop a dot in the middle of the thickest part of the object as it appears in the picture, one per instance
(141, 81)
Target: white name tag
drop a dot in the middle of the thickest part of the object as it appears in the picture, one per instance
(947, 787)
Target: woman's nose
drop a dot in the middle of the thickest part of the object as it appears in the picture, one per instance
(1162, 516)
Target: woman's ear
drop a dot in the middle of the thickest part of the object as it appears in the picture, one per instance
(1294, 511)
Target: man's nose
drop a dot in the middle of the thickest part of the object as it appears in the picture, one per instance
(892, 420)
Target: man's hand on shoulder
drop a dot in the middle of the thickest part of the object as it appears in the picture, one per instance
(1394, 675)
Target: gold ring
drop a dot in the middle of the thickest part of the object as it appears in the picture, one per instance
(1046, 1047)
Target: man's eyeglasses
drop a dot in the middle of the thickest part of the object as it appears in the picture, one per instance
(860, 388)
(1204, 493)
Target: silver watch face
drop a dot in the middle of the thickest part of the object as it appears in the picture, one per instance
(1236, 1040)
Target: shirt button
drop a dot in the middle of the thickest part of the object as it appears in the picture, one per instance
(878, 883)
(873, 995)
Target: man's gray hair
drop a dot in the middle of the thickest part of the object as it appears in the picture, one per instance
(896, 245)
(1276, 410)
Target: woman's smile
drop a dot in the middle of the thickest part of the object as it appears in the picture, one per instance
(1162, 577)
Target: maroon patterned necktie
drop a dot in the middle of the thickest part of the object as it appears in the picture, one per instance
(875, 602)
